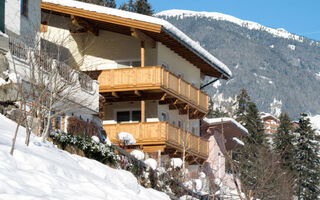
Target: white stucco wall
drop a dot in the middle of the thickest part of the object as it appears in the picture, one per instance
(17, 25)
(91, 52)
(12, 16)
(173, 117)
(111, 109)
(178, 65)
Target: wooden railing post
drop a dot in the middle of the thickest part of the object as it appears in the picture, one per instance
(198, 98)
(199, 145)
(168, 79)
(189, 92)
(135, 75)
(179, 86)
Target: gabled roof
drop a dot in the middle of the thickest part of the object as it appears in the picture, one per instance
(158, 29)
(230, 128)
(225, 120)
(266, 116)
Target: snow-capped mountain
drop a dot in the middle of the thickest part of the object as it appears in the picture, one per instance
(280, 32)
(270, 63)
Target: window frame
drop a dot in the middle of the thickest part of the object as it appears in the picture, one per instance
(24, 8)
(130, 115)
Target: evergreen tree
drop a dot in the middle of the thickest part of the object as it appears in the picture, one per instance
(110, 3)
(139, 6)
(283, 142)
(215, 113)
(253, 123)
(128, 6)
(242, 100)
(143, 7)
(107, 3)
(307, 161)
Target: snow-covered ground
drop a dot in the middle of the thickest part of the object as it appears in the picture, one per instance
(41, 171)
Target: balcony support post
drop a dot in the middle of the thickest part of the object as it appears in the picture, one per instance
(143, 103)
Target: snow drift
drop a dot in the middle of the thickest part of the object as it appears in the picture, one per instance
(42, 171)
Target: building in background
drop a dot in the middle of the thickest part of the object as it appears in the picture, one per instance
(271, 124)
(224, 135)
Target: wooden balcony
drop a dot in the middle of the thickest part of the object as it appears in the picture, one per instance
(154, 136)
(152, 83)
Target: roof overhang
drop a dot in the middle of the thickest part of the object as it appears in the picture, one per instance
(199, 57)
(230, 129)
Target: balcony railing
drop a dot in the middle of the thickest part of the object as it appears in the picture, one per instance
(160, 133)
(148, 78)
(22, 51)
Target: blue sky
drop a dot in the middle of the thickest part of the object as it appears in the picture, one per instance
(296, 16)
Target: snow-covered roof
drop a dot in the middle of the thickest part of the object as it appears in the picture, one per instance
(265, 115)
(166, 27)
(223, 120)
(237, 140)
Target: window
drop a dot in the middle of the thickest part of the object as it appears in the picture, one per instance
(180, 75)
(180, 124)
(163, 117)
(193, 130)
(24, 8)
(136, 116)
(123, 116)
(129, 116)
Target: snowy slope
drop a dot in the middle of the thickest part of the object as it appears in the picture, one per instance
(41, 171)
(280, 32)
(315, 121)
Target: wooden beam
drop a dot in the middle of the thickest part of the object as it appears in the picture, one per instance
(102, 17)
(143, 37)
(128, 98)
(143, 52)
(163, 97)
(115, 94)
(138, 93)
(143, 111)
(81, 22)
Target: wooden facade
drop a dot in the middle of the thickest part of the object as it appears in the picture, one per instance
(152, 83)
(154, 136)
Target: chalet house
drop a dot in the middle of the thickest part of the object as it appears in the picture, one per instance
(149, 74)
(270, 122)
(20, 43)
(224, 136)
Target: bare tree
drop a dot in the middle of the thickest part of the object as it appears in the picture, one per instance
(48, 87)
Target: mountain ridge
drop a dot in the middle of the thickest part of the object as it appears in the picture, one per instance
(278, 32)
(271, 67)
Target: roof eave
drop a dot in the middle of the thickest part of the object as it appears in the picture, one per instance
(224, 74)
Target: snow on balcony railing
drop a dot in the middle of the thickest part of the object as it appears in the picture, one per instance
(22, 51)
(85, 81)
(18, 48)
